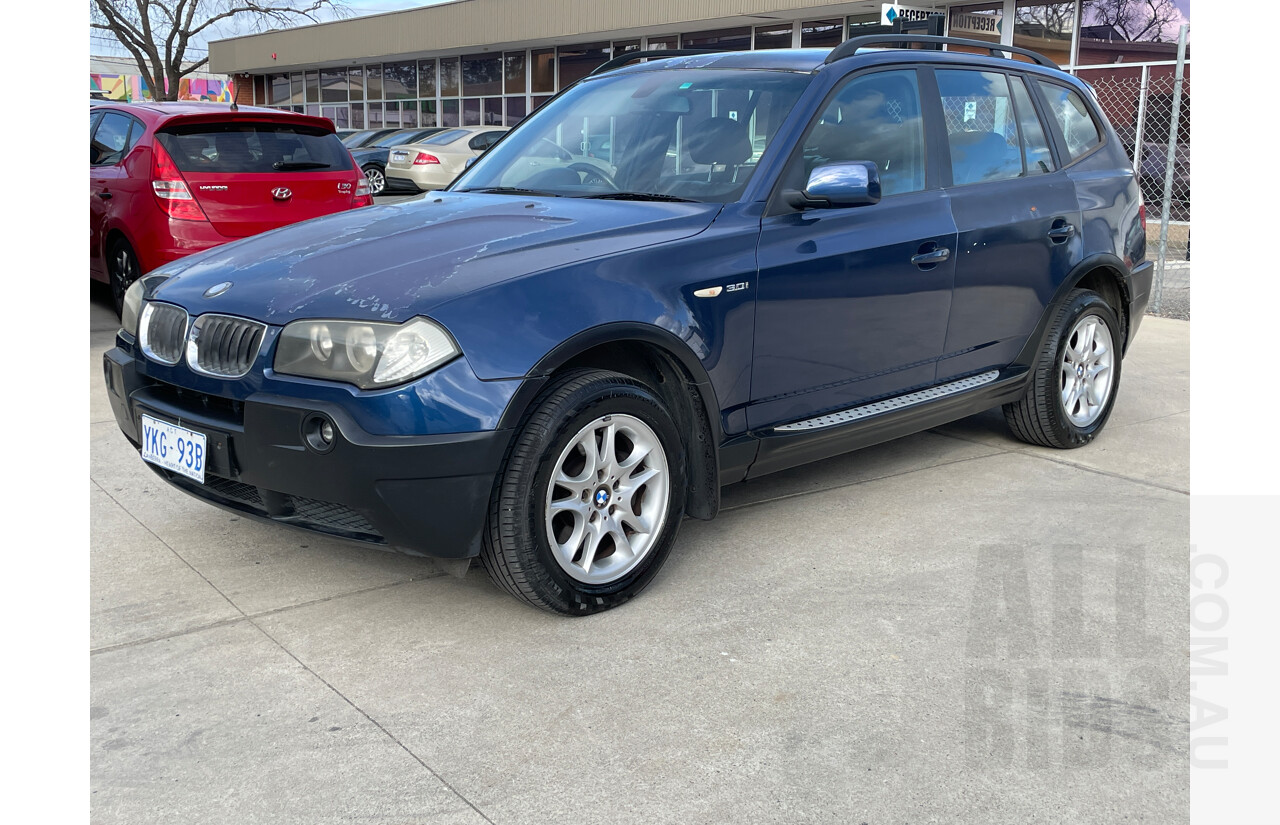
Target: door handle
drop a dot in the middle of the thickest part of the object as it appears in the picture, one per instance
(932, 257)
(1062, 231)
(106, 196)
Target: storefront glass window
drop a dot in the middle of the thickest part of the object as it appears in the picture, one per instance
(279, 89)
(730, 40)
(357, 116)
(773, 37)
(821, 34)
(471, 111)
(482, 74)
(295, 88)
(373, 82)
(355, 77)
(449, 75)
(449, 112)
(515, 110)
(427, 113)
(513, 73)
(313, 87)
(400, 81)
(978, 21)
(1045, 27)
(492, 111)
(333, 86)
(544, 70)
(426, 78)
(665, 41)
(1131, 31)
(576, 62)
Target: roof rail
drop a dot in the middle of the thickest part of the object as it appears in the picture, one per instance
(851, 46)
(627, 57)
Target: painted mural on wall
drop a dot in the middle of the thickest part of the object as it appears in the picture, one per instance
(134, 87)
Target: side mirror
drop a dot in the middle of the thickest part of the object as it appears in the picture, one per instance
(470, 161)
(838, 185)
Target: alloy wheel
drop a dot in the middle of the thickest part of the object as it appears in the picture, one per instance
(607, 499)
(1086, 370)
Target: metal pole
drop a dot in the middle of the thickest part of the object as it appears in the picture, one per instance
(1142, 119)
(1170, 157)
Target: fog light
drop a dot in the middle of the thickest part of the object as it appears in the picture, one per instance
(318, 432)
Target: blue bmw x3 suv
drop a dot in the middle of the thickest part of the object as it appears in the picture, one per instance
(684, 271)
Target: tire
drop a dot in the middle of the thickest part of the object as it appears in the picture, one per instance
(377, 178)
(122, 270)
(592, 538)
(1074, 381)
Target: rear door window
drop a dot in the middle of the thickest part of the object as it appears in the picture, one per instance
(982, 126)
(1079, 131)
(231, 148)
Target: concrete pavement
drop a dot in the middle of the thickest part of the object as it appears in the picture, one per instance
(954, 627)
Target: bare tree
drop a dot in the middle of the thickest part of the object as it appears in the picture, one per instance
(159, 33)
(1056, 18)
(1134, 20)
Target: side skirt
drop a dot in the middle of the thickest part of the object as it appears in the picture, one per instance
(840, 432)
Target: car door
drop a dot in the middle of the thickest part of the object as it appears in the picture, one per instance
(1016, 212)
(110, 140)
(852, 303)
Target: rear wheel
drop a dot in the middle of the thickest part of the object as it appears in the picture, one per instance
(590, 498)
(122, 269)
(1073, 384)
(377, 179)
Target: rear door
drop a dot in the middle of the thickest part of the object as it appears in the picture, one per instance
(252, 176)
(1016, 212)
(112, 137)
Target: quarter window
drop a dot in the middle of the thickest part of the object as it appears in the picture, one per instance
(1078, 127)
(874, 117)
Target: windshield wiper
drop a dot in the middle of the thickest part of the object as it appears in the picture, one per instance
(639, 196)
(510, 190)
(299, 164)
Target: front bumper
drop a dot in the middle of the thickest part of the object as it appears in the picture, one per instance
(421, 495)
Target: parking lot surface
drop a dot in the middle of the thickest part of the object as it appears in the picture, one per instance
(953, 627)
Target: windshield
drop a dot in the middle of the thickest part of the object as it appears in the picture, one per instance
(679, 134)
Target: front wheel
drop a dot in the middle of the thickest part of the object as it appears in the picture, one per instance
(590, 498)
(377, 179)
(1074, 381)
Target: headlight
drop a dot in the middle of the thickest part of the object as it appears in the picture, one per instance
(138, 292)
(369, 355)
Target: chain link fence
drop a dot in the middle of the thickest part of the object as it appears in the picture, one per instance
(1140, 102)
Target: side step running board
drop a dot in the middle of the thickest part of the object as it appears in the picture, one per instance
(890, 404)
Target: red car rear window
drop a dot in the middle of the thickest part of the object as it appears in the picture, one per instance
(253, 147)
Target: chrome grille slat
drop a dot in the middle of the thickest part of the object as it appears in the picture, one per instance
(223, 345)
(163, 331)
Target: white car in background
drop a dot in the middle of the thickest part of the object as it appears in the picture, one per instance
(433, 163)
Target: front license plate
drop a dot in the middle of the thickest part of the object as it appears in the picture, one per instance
(173, 448)
(397, 157)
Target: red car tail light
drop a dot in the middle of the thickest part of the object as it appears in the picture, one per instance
(423, 159)
(171, 188)
(362, 197)
(1142, 215)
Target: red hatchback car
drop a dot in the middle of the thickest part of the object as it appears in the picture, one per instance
(170, 179)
